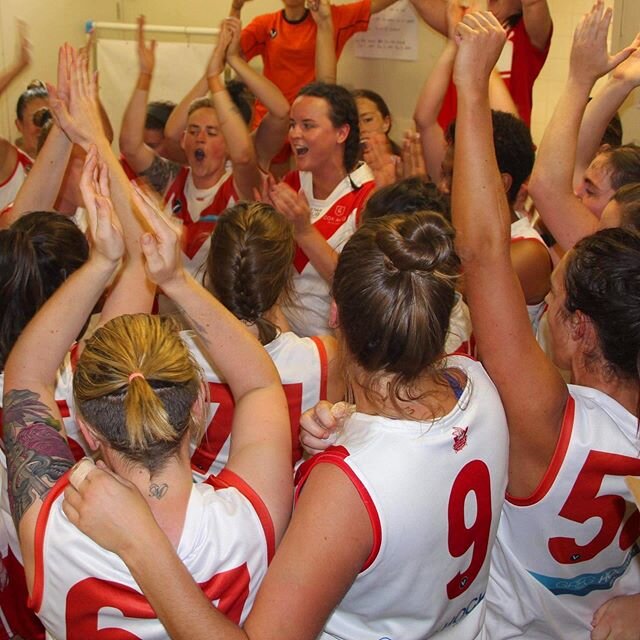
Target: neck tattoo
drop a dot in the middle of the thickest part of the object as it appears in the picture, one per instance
(158, 491)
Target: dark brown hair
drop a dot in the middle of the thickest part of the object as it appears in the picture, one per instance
(395, 288)
(250, 261)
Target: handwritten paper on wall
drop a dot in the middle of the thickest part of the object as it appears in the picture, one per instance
(392, 34)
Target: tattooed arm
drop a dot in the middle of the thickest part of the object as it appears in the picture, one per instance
(37, 453)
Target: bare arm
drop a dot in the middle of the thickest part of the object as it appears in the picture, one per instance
(272, 130)
(551, 184)
(132, 145)
(433, 12)
(177, 121)
(537, 22)
(326, 60)
(22, 60)
(37, 453)
(624, 79)
(261, 440)
(481, 216)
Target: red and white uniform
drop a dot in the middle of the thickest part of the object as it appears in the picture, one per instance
(433, 491)
(80, 589)
(336, 218)
(302, 365)
(573, 544)
(10, 187)
(198, 210)
(521, 230)
(63, 395)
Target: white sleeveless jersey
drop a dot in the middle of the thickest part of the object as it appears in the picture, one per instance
(336, 219)
(10, 187)
(302, 365)
(459, 337)
(81, 589)
(522, 230)
(63, 395)
(433, 491)
(572, 545)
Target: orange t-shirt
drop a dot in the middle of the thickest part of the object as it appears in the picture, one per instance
(288, 49)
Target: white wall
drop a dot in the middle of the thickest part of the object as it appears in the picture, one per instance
(399, 82)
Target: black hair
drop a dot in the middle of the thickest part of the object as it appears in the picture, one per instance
(342, 110)
(35, 89)
(602, 280)
(158, 113)
(37, 254)
(515, 151)
(407, 196)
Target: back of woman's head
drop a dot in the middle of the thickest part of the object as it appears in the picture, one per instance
(394, 288)
(135, 386)
(602, 280)
(250, 261)
(342, 110)
(37, 254)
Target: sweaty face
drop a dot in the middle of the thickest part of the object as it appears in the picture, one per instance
(596, 190)
(204, 146)
(314, 139)
(370, 119)
(27, 128)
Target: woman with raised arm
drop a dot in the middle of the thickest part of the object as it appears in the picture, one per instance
(564, 557)
(139, 396)
(416, 477)
(249, 271)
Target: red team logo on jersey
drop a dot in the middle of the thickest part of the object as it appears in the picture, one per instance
(459, 438)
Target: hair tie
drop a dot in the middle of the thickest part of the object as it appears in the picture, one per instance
(136, 374)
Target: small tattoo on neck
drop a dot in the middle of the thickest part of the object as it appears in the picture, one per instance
(158, 491)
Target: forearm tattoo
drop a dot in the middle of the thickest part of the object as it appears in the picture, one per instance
(37, 455)
(161, 173)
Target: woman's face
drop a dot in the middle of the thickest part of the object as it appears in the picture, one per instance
(204, 144)
(315, 141)
(596, 189)
(370, 119)
(26, 126)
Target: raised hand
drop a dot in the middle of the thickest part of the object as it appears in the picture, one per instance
(234, 28)
(146, 53)
(455, 13)
(590, 58)
(320, 10)
(218, 57)
(106, 234)
(480, 38)
(161, 247)
(413, 164)
(377, 154)
(320, 425)
(629, 69)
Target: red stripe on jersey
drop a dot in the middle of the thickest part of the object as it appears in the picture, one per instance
(324, 366)
(556, 461)
(336, 456)
(227, 478)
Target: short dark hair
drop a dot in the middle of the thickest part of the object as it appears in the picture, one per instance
(515, 151)
(35, 89)
(158, 113)
(623, 163)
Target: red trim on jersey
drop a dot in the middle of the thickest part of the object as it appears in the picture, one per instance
(127, 168)
(336, 456)
(556, 461)
(35, 600)
(324, 366)
(227, 478)
(194, 233)
(22, 159)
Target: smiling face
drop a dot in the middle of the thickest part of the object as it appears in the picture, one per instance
(596, 189)
(314, 139)
(26, 126)
(204, 147)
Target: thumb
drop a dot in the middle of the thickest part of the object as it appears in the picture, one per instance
(621, 56)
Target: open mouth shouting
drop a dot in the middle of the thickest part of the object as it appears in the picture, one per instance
(199, 155)
(300, 151)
